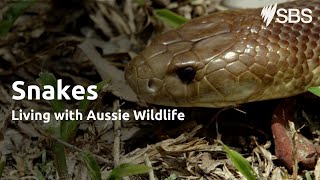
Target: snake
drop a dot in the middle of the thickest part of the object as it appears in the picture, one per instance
(229, 58)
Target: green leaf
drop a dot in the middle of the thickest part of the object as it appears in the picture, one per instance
(170, 18)
(124, 170)
(14, 11)
(308, 177)
(240, 163)
(92, 166)
(57, 106)
(140, 2)
(171, 177)
(85, 102)
(69, 130)
(49, 79)
(38, 174)
(315, 90)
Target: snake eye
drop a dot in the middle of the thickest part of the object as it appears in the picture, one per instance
(186, 74)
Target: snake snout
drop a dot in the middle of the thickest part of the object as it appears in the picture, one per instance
(154, 85)
(143, 81)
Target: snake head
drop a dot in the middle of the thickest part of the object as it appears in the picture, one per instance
(226, 59)
(175, 68)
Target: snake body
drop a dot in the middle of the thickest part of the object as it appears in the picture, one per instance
(229, 58)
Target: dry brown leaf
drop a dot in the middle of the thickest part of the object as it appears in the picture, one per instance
(193, 145)
(279, 173)
(106, 70)
(267, 159)
(28, 129)
(13, 141)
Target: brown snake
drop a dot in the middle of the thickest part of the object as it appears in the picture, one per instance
(229, 58)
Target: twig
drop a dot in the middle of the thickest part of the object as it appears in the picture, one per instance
(117, 134)
(294, 151)
(151, 173)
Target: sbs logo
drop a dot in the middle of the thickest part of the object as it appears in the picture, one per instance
(285, 15)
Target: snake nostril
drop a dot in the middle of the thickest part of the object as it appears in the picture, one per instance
(154, 85)
(151, 85)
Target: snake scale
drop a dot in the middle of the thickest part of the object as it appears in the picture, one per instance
(229, 58)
